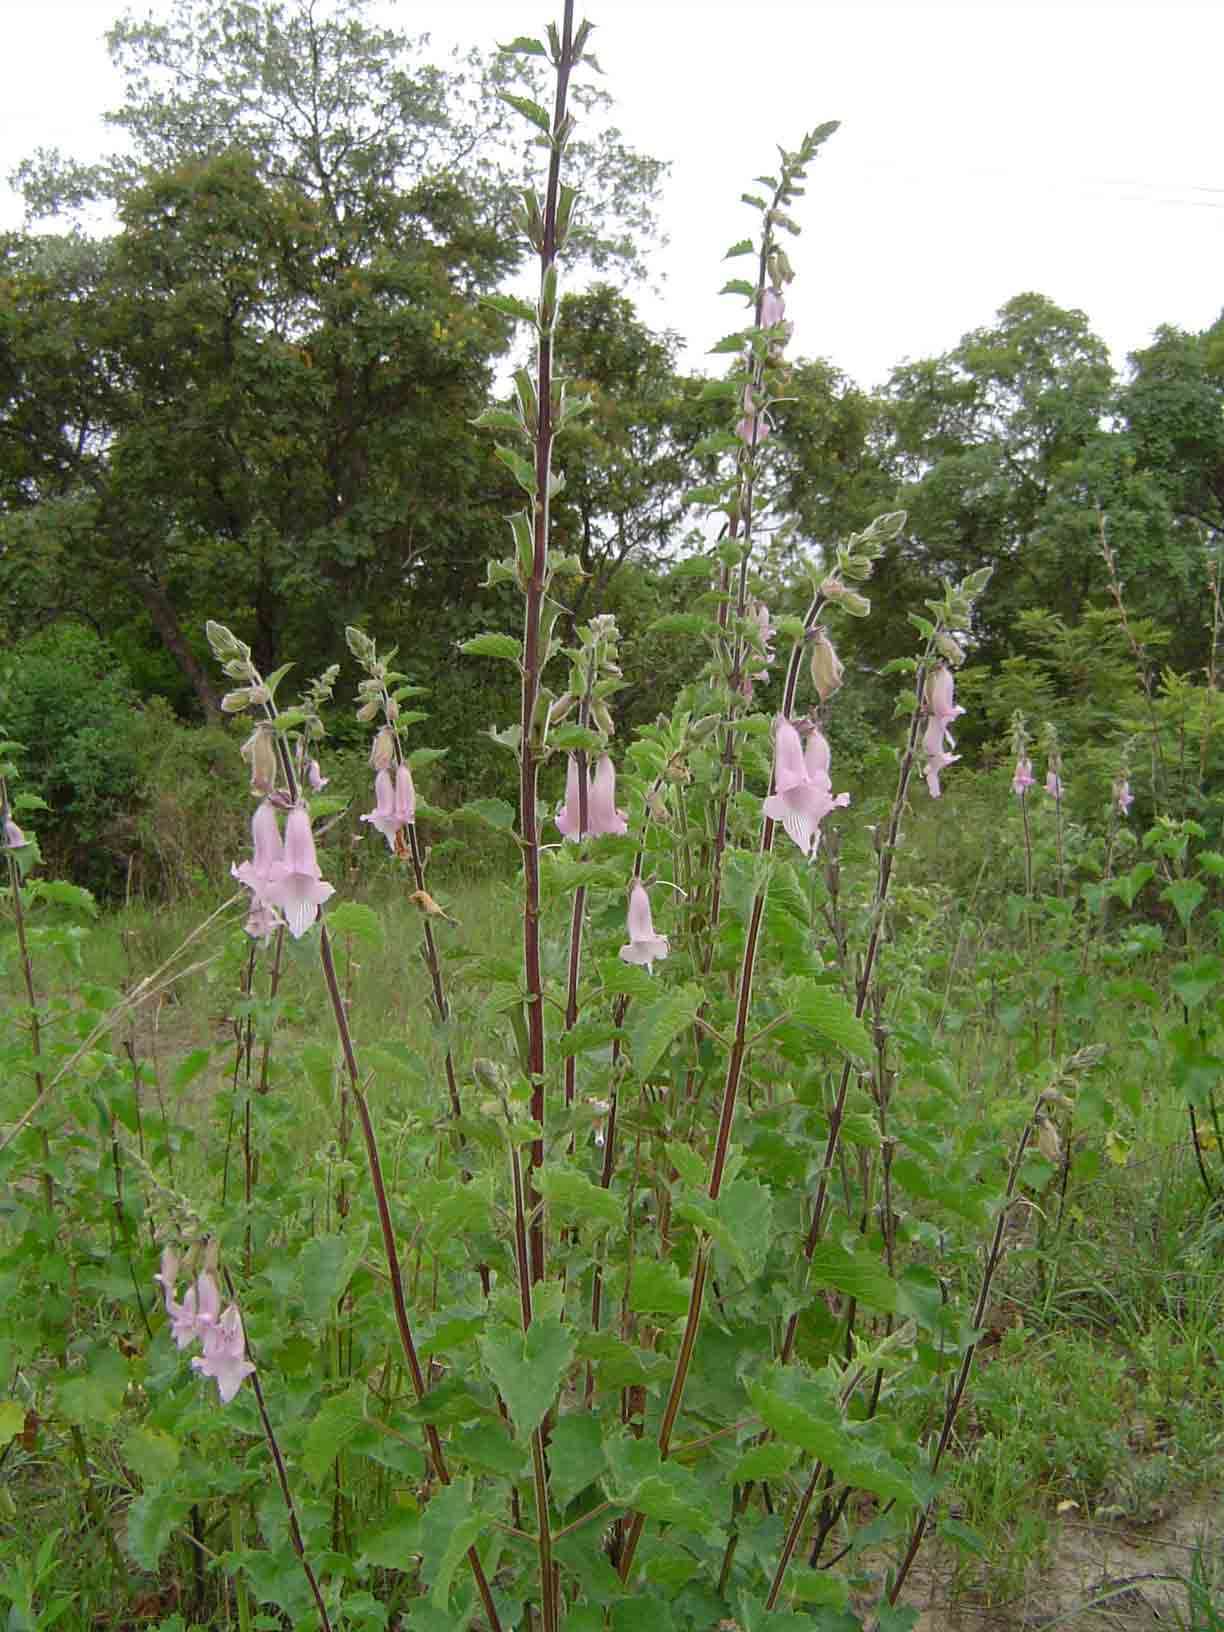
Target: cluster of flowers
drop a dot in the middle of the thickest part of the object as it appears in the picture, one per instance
(1024, 779)
(283, 874)
(199, 1318)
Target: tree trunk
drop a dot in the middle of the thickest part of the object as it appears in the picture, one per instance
(165, 621)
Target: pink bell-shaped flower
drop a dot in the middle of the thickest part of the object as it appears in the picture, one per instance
(267, 851)
(298, 887)
(1123, 797)
(942, 708)
(1024, 778)
(644, 945)
(224, 1357)
(803, 791)
(601, 803)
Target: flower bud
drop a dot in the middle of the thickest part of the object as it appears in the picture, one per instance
(950, 648)
(827, 667)
(858, 606)
(832, 589)
(235, 701)
(486, 1073)
(561, 708)
(259, 751)
(382, 750)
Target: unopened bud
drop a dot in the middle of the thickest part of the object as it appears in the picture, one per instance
(657, 805)
(858, 606)
(235, 701)
(950, 648)
(393, 710)
(369, 711)
(832, 589)
(382, 750)
(827, 667)
(1048, 1142)
(486, 1073)
(561, 708)
(259, 751)
(603, 718)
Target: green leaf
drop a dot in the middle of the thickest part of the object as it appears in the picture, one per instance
(189, 1068)
(744, 247)
(857, 1274)
(639, 1479)
(728, 343)
(325, 1267)
(91, 1399)
(769, 1461)
(525, 46)
(488, 1445)
(1128, 886)
(151, 1520)
(573, 737)
(575, 1456)
(336, 1420)
(493, 645)
(529, 110)
(520, 469)
(449, 1526)
(822, 1587)
(576, 1200)
(1185, 895)
(827, 1012)
(392, 1544)
(657, 1288)
(746, 1209)
(528, 1370)
(493, 812)
(1193, 981)
(653, 1027)
(151, 1453)
(12, 1420)
(351, 918)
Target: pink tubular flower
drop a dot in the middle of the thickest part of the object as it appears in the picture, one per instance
(1053, 784)
(602, 814)
(298, 887)
(773, 308)
(803, 791)
(754, 427)
(197, 1314)
(942, 708)
(601, 805)
(224, 1356)
(1123, 797)
(267, 852)
(384, 816)
(644, 945)
(315, 777)
(1023, 779)
(405, 796)
(14, 838)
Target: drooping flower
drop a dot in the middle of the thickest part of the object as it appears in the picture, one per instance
(1024, 778)
(1123, 797)
(644, 945)
(267, 852)
(827, 667)
(602, 814)
(315, 777)
(298, 887)
(803, 790)
(773, 308)
(754, 427)
(383, 815)
(1053, 784)
(601, 805)
(942, 708)
(14, 838)
(262, 920)
(405, 796)
(224, 1356)
(197, 1314)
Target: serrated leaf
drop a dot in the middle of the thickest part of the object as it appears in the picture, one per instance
(576, 1199)
(522, 471)
(392, 1544)
(493, 645)
(827, 1012)
(531, 111)
(334, 1424)
(352, 918)
(494, 812)
(488, 1445)
(189, 1068)
(1194, 981)
(745, 1207)
(768, 1461)
(325, 1267)
(449, 1526)
(573, 737)
(525, 46)
(528, 1370)
(575, 1456)
(857, 1274)
(1185, 896)
(151, 1520)
(92, 1398)
(657, 1289)
(661, 1490)
(728, 343)
(745, 246)
(653, 1027)
(151, 1453)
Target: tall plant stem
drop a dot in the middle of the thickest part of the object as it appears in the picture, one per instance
(533, 642)
(887, 854)
(282, 1477)
(391, 1253)
(718, 1161)
(434, 964)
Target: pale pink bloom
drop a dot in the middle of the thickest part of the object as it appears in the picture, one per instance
(384, 816)
(262, 920)
(315, 777)
(601, 805)
(773, 308)
(1024, 777)
(602, 814)
(803, 791)
(1053, 785)
(644, 945)
(298, 887)
(224, 1356)
(1123, 797)
(14, 838)
(405, 796)
(195, 1316)
(767, 633)
(942, 708)
(267, 851)
(754, 427)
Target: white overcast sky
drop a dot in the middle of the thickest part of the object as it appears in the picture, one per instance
(985, 150)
